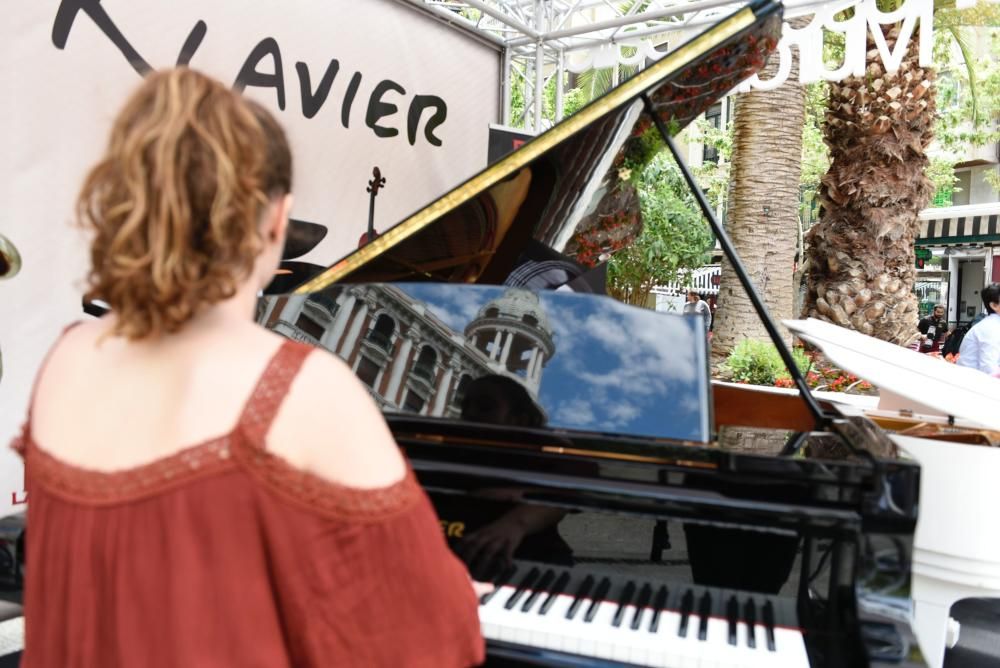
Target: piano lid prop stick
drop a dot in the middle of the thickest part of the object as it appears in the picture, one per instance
(822, 419)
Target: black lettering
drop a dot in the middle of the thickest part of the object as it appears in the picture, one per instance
(417, 106)
(66, 15)
(377, 109)
(192, 43)
(250, 76)
(345, 107)
(313, 102)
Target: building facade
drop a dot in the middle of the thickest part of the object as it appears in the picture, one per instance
(410, 359)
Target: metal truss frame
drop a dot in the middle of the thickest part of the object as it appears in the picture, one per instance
(535, 37)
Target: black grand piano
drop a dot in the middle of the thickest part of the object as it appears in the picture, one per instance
(571, 443)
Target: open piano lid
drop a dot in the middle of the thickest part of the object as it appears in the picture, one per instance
(561, 204)
(946, 388)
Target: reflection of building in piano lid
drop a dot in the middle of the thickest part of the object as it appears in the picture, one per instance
(514, 332)
(410, 358)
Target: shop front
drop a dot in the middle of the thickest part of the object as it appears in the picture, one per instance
(964, 256)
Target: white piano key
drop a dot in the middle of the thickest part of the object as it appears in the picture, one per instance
(604, 632)
(791, 647)
(562, 632)
(600, 639)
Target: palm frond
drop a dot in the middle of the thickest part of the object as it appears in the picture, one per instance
(961, 39)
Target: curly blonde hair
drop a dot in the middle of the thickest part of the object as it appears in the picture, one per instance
(175, 203)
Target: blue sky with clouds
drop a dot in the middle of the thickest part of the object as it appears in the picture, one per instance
(616, 368)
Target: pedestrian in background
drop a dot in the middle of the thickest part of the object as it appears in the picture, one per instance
(981, 346)
(697, 306)
(933, 330)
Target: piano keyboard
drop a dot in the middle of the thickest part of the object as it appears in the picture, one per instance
(632, 621)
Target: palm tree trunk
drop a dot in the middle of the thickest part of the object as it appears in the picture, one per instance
(860, 253)
(762, 216)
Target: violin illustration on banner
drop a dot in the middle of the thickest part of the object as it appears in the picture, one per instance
(376, 184)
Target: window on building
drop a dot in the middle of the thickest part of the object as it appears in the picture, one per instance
(413, 402)
(309, 326)
(529, 319)
(424, 368)
(960, 192)
(463, 385)
(381, 333)
(492, 312)
(714, 118)
(368, 371)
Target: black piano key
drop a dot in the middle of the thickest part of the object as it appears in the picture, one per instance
(602, 590)
(704, 611)
(687, 605)
(640, 605)
(500, 580)
(732, 612)
(540, 588)
(581, 593)
(557, 589)
(526, 582)
(750, 618)
(623, 602)
(658, 604)
(768, 614)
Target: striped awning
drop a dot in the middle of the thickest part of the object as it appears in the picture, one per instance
(971, 225)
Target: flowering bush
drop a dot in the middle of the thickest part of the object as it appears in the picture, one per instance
(758, 363)
(824, 376)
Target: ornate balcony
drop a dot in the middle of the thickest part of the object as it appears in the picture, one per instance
(424, 372)
(381, 340)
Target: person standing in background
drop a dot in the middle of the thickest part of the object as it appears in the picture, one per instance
(697, 306)
(933, 330)
(981, 346)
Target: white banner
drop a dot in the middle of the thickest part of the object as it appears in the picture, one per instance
(356, 84)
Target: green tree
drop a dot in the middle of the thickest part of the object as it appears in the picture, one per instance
(762, 206)
(674, 239)
(968, 98)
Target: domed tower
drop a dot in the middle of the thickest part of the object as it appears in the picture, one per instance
(514, 333)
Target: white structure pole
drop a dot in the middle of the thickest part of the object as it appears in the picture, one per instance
(441, 397)
(953, 314)
(505, 93)
(331, 340)
(508, 344)
(560, 73)
(539, 69)
(398, 366)
(352, 335)
(495, 353)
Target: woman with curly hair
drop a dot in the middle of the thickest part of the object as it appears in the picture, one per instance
(203, 492)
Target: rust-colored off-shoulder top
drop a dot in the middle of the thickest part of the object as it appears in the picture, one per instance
(225, 555)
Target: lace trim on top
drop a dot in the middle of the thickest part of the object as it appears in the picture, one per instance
(329, 498)
(243, 448)
(94, 487)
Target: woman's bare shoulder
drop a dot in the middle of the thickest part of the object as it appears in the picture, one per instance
(330, 425)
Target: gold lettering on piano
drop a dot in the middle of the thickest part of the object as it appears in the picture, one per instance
(452, 529)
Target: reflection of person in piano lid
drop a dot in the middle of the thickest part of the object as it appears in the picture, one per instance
(497, 399)
(293, 532)
(493, 529)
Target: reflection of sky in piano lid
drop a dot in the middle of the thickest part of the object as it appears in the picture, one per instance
(616, 368)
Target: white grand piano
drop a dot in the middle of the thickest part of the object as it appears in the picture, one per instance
(947, 418)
